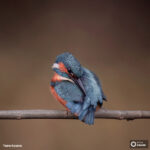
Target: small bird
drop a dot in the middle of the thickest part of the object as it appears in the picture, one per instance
(76, 87)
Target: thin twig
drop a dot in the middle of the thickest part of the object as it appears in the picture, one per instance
(62, 114)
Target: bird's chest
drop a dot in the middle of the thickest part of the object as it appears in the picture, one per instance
(66, 90)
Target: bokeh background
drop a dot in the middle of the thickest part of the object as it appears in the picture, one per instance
(112, 38)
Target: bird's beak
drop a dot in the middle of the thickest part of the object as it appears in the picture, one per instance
(79, 83)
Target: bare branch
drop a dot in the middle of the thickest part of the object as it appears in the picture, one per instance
(62, 114)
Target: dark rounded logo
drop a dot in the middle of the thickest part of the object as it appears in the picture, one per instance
(133, 144)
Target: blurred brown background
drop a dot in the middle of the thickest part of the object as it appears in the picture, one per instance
(112, 38)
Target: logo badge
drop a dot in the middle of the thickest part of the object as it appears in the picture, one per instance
(139, 144)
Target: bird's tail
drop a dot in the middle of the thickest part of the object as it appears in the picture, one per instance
(86, 114)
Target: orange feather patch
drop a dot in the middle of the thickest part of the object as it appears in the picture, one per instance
(62, 67)
(56, 78)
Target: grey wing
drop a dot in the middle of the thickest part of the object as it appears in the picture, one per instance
(98, 82)
(69, 91)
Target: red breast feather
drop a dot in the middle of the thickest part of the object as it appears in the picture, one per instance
(57, 78)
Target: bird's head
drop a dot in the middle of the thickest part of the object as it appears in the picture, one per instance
(67, 66)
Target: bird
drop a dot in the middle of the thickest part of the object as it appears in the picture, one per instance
(78, 89)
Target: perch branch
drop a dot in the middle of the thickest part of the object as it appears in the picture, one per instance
(62, 114)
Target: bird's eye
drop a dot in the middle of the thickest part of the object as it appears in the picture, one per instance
(69, 70)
